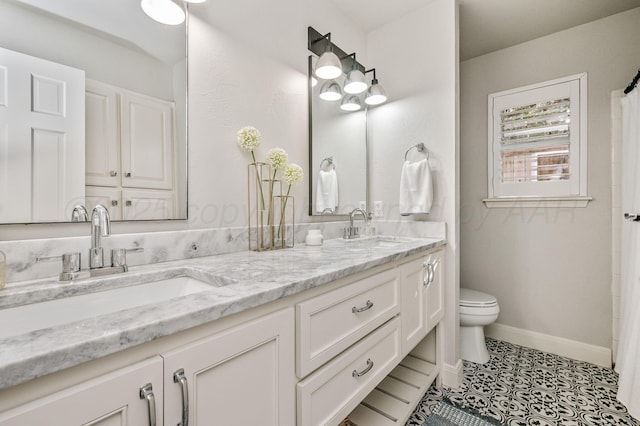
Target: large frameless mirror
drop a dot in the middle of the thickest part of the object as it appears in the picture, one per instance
(92, 111)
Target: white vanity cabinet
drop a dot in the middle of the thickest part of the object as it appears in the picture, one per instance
(364, 347)
(422, 297)
(241, 376)
(128, 396)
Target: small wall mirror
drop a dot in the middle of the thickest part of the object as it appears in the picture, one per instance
(94, 111)
(338, 154)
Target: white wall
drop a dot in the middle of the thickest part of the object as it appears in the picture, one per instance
(416, 61)
(550, 268)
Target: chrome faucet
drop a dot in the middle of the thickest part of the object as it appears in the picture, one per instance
(353, 231)
(79, 214)
(100, 227)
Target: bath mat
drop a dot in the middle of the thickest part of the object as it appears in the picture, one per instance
(446, 414)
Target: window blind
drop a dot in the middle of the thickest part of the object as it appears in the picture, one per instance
(535, 141)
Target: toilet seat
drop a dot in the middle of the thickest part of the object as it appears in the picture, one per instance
(476, 299)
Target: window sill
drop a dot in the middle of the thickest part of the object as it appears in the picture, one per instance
(535, 202)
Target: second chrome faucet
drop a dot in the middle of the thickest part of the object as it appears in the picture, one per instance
(100, 227)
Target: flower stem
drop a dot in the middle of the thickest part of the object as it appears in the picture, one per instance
(269, 219)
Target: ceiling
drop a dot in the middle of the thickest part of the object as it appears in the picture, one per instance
(489, 25)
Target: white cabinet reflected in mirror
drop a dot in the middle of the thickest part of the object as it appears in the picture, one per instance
(338, 154)
(92, 110)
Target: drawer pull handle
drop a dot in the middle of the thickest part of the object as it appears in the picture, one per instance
(368, 368)
(179, 377)
(146, 392)
(366, 307)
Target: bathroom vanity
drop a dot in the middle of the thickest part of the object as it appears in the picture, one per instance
(304, 336)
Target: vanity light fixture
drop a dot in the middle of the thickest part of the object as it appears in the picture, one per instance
(355, 82)
(169, 12)
(329, 65)
(330, 91)
(351, 103)
(376, 93)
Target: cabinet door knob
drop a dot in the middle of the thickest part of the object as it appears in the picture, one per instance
(146, 392)
(113, 173)
(128, 203)
(114, 203)
(368, 368)
(127, 174)
(366, 307)
(179, 377)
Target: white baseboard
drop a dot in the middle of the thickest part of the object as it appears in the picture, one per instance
(556, 345)
(452, 375)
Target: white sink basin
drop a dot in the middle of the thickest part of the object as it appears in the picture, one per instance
(367, 243)
(36, 316)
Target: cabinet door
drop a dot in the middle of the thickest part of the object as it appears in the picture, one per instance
(434, 293)
(414, 317)
(110, 400)
(102, 163)
(108, 197)
(147, 205)
(242, 376)
(147, 142)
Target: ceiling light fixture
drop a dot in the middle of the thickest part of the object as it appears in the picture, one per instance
(169, 12)
(376, 93)
(164, 11)
(330, 91)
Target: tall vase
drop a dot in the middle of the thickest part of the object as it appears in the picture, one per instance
(260, 206)
(284, 208)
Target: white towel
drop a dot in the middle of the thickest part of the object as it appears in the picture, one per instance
(416, 188)
(327, 191)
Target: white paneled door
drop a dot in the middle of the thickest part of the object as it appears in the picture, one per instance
(41, 138)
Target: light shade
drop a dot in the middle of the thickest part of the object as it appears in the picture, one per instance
(351, 103)
(355, 82)
(330, 91)
(328, 66)
(376, 94)
(164, 11)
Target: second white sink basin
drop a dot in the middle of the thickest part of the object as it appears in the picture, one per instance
(36, 316)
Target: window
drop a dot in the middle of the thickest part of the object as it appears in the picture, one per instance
(537, 141)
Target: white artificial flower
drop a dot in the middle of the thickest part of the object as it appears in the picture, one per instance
(277, 158)
(293, 174)
(249, 138)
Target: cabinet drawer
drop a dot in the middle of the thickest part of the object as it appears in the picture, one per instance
(330, 323)
(331, 393)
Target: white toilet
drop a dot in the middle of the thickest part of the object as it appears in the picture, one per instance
(477, 309)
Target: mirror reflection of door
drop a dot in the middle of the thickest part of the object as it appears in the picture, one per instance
(41, 138)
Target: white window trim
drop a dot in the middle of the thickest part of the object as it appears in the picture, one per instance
(574, 200)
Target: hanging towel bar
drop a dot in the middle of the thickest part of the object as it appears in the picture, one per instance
(420, 147)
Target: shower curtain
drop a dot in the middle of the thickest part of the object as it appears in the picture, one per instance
(628, 358)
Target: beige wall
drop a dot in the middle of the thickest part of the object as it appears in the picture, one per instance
(550, 268)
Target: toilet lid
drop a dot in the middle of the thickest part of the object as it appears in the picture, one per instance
(470, 297)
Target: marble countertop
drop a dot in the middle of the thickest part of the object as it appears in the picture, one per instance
(239, 281)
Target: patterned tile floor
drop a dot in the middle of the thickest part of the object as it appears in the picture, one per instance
(522, 386)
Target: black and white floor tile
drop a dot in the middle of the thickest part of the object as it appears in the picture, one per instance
(522, 386)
